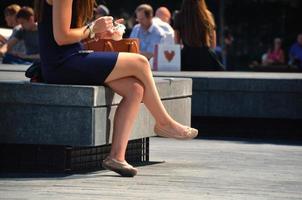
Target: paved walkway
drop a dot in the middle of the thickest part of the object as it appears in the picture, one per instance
(198, 169)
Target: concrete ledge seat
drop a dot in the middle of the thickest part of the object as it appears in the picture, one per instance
(244, 94)
(13, 72)
(75, 115)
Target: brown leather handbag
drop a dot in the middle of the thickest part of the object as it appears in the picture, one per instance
(124, 45)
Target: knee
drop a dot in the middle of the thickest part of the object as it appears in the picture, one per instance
(143, 64)
(137, 91)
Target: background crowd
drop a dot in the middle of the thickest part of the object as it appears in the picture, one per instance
(270, 46)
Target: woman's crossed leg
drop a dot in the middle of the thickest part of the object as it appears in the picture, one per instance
(132, 79)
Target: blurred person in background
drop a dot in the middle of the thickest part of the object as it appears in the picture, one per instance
(162, 18)
(29, 34)
(174, 14)
(148, 32)
(164, 14)
(195, 29)
(295, 53)
(275, 55)
(10, 13)
(101, 11)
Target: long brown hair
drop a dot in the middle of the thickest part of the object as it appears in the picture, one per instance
(83, 10)
(196, 23)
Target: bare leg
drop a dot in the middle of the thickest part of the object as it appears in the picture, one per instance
(132, 91)
(138, 66)
(135, 65)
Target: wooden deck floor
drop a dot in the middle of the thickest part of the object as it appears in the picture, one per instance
(198, 169)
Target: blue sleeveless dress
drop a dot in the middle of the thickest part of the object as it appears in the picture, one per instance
(67, 64)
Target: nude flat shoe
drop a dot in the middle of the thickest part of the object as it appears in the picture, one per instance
(122, 168)
(190, 133)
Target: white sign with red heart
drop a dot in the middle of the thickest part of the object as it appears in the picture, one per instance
(166, 57)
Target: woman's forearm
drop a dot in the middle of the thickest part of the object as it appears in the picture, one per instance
(72, 36)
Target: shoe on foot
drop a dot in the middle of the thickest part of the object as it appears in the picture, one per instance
(122, 168)
(188, 134)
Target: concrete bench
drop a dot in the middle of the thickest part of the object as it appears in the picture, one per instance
(68, 128)
(78, 115)
(245, 104)
(13, 72)
(229, 94)
(244, 94)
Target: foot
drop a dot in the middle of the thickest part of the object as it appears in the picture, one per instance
(122, 168)
(176, 131)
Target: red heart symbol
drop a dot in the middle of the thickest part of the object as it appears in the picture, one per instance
(169, 55)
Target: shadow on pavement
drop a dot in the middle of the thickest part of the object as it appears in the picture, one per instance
(250, 130)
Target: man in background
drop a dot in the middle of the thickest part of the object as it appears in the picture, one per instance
(295, 53)
(29, 34)
(10, 14)
(148, 32)
(162, 17)
(164, 14)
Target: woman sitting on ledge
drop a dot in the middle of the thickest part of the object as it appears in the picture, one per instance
(61, 28)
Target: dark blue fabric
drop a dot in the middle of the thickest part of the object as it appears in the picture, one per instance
(199, 59)
(64, 64)
(296, 53)
(11, 59)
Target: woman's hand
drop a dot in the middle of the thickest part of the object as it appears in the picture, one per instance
(103, 24)
(119, 21)
(112, 32)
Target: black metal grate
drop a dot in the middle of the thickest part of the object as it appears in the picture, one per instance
(50, 158)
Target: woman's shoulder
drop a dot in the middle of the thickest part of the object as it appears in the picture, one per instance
(209, 12)
(211, 19)
(210, 15)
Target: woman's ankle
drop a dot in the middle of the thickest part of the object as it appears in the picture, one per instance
(165, 122)
(117, 157)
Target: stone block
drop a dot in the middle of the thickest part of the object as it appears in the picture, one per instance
(244, 94)
(13, 72)
(78, 115)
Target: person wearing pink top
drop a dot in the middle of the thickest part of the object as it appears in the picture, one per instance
(274, 56)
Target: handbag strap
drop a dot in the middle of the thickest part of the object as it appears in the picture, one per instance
(133, 47)
(108, 46)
